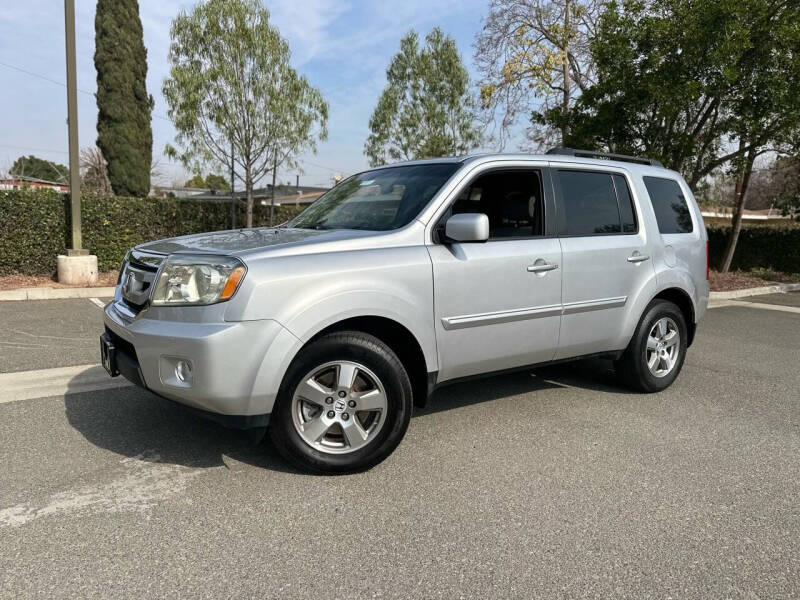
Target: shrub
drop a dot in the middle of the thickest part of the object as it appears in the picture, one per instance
(760, 246)
(35, 226)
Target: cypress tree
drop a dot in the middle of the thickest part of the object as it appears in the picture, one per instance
(124, 134)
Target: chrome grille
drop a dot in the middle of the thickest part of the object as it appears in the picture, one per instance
(138, 277)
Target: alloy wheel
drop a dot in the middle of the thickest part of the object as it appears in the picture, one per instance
(663, 347)
(339, 407)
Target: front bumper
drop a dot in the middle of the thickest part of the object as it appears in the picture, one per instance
(236, 367)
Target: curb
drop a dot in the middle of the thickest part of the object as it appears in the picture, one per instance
(778, 288)
(46, 293)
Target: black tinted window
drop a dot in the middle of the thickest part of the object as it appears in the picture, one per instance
(511, 199)
(590, 204)
(672, 212)
(626, 211)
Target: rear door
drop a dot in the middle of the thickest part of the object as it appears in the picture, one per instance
(606, 261)
(497, 304)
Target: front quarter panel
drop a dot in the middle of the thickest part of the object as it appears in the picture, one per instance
(309, 292)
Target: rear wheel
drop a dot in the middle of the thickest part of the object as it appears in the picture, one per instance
(344, 405)
(656, 352)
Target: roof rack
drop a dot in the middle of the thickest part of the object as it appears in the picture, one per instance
(642, 160)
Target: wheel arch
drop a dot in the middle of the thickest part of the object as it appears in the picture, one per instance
(395, 335)
(683, 301)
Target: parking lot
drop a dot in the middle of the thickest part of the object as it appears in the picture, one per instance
(554, 482)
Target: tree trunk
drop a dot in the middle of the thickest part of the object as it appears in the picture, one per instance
(742, 182)
(272, 199)
(565, 105)
(248, 183)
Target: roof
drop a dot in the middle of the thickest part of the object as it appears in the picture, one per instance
(12, 177)
(283, 193)
(613, 161)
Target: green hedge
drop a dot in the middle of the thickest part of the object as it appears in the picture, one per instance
(34, 226)
(759, 246)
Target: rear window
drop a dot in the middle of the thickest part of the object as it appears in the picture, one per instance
(669, 204)
(590, 204)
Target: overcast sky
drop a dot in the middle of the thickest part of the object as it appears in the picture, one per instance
(343, 47)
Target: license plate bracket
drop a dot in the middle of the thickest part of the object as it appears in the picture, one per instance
(108, 355)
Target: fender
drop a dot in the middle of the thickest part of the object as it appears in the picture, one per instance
(667, 279)
(308, 294)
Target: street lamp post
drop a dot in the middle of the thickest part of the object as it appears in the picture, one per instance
(72, 125)
(78, 267)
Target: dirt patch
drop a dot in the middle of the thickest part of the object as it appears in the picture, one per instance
(14, 282)
(726, 282)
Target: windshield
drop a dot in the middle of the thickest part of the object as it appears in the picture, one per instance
(377, 200)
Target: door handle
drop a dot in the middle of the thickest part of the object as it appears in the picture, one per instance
(542, 267)
(637, 258)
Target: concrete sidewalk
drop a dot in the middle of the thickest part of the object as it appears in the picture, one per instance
(47, 293)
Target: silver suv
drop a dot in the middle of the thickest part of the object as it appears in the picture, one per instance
(326, 330)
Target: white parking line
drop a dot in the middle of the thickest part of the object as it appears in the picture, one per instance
(760, 305)
(27, 385)
(97, 302)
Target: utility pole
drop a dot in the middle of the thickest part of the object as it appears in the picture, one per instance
(272, 202)
(234, 207)
(78, 267)
(72, 125)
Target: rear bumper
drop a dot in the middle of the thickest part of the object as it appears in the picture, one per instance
(236, 368)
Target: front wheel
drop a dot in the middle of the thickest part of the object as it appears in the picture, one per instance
(657, 350)
(344, 405)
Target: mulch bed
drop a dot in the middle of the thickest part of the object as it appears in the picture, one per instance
(720, 282)
(726, 282)
(14, 282)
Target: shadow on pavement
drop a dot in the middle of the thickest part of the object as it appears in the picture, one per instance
(590, 374)
(133, 422)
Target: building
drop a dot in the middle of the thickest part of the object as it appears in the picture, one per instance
(163, 191)
(20, 182)
(284, 194)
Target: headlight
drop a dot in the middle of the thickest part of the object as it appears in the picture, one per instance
(197, 280)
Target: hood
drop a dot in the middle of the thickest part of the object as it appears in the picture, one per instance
(242, 240)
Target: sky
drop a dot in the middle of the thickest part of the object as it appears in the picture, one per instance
(342, 46)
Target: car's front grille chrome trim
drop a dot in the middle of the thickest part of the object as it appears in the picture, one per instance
(138, 278)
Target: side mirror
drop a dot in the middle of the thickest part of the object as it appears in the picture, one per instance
(467, 227)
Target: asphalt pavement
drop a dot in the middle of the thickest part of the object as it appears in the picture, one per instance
(41, 334)
(549, 483)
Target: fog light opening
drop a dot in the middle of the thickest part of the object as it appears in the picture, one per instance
(183, 371)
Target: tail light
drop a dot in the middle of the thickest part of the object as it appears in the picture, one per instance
(708, 261)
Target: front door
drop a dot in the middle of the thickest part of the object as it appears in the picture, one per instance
(497, 304)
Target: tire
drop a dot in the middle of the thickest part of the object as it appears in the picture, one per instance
(320, 425)
(655, 368)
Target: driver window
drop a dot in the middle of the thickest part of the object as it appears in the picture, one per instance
(511, 199)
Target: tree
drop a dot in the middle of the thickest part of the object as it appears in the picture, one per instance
(765, 105)
(785, 183)
(673, 75)
(212, 181)
(124, 135)
(39, 168)
(94, 176)
(534, 55)
(425, 109)
(230, 83)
